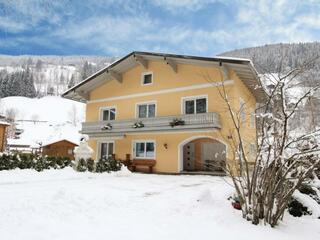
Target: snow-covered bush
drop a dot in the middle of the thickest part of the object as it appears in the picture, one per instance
(63, 162)
(81, 165)
(31, 161)
(108, 165)
(40, 163)
(90, 165)
(9, 161)
(267, 178)
(26, 161)
(297, 209)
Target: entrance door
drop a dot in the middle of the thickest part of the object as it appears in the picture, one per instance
(188, 157)
(213, 156)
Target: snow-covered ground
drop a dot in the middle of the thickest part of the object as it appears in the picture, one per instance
(64, 204)
(50, 108)
(44, 120)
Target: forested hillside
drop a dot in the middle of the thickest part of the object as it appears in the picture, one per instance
(36, 76)
(279, 58)
(271, 58)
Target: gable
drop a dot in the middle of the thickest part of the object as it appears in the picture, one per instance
(163, 79)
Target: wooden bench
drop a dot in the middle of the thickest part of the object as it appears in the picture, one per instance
(150, 163)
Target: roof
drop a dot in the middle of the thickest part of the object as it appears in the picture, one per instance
(60, 140)
(4, 123)
(243, 68)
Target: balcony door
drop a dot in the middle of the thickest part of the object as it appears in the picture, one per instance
(195, 105)
(108, 113)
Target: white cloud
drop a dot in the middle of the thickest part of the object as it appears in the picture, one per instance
(129, 25)
(309, 21)
(12, 26)
(182, 5)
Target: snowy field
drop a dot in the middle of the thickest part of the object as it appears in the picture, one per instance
(44, 120)
(64, 204)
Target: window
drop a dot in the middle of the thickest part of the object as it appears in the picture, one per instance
(242, 111)
(108, 114)
(144, 149)
(106, 149)
(195, 105)
(252, 119)
(146, 110)
(147, 78)
(253, 151)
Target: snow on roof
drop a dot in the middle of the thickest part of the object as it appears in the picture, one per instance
(43, 133)
(4, 123)
(47, 119)
(233, 58)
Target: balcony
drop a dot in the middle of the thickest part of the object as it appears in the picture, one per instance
(164, 123)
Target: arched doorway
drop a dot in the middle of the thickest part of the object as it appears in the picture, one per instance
(204, 154)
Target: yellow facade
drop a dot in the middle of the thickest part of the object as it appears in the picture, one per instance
(167, 91)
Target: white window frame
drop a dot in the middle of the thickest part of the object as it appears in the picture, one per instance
(107, 108)
(242, 110)
(142, 78)
(252, 150)
(145, 142)
(146, 103)
(252, 119)
(99, 147)
(184, 99)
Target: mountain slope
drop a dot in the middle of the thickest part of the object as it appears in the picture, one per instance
(51, 75)
(271, 58)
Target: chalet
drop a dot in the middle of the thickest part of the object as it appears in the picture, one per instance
(3, 130)
(166, 110)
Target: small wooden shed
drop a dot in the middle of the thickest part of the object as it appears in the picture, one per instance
(61, 148)
(3, 135)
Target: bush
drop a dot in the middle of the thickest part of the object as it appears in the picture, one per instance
(297, 209)
(108, 165)
(26, 162)
(31, 161)
(40, 163)
(8, 161)
(50, 162)
(82, 165)
(5, 162)
(307, 189)
(90, 165)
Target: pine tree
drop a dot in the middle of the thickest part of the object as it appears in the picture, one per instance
(87, 70)
(39, 65)
(72, 81)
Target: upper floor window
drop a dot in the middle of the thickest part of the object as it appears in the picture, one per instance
(253, 150)
(147, 78)
(252, 119)
(146, 110)
(194, 105)
(242, 111)
(108, 113)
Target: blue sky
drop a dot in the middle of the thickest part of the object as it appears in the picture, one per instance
(116, 27)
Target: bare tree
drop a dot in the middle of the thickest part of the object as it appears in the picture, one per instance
(11, 114)
(73, 115)
(285, 157)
